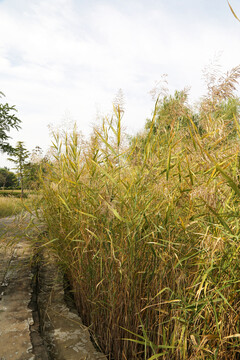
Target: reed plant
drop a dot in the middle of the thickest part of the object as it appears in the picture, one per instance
(148, 233)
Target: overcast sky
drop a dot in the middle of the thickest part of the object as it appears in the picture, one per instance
(66, 59)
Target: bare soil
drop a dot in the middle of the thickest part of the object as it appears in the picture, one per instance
(36, 322)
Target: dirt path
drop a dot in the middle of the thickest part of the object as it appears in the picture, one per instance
(35, 321)
(15, 294)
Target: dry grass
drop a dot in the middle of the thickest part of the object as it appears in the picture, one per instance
(10, 206)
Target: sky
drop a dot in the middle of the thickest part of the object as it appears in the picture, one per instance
(63, 61)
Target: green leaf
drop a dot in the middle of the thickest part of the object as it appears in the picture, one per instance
(225, 300)
(116, 214)
(224, 224)
(156, 356)
(230, 181)
(64, 203)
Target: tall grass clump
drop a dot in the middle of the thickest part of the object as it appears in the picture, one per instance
(148, 233)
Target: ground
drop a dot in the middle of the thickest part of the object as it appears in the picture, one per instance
(36, 322)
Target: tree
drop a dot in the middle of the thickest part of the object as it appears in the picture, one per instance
(19, 157)
(8, 120)
(7, 178)
(33, 168)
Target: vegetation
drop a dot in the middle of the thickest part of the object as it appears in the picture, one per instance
(32, 168)
(8, 121)
(148, 233)
(10, 206)
(8, 179)
(14, 193)
(233, 12)
(19, 157)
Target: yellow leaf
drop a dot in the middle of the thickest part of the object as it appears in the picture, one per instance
(234, 14)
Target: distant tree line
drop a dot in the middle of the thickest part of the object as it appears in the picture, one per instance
(27, 165)
(27, 169)
(8, 180)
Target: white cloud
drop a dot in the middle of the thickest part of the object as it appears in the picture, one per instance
(63, 55)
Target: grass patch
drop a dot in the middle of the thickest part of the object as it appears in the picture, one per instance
(10, 206)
